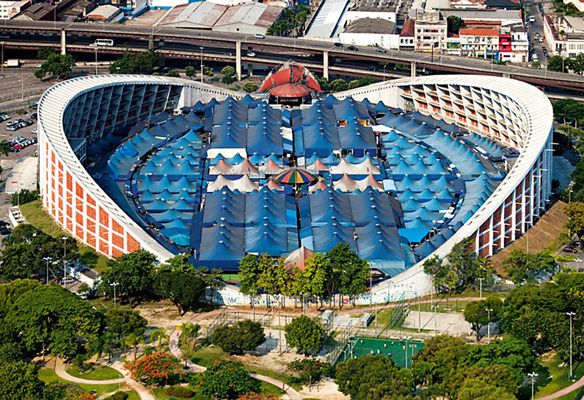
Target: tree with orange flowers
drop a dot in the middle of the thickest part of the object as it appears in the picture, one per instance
(155, 369)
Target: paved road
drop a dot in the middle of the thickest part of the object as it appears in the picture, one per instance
(562, 392)
(175, 350)
(277, 46)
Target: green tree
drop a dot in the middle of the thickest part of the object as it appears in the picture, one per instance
(348, 270)
(500, 376)
(4, 147)
(190, 71)
(11, 291)
(250, 86)
(228, 75)
(305, 334)
(185, 289)
(120, 322)
(25, 251)
(137, 63)
(24, 196)
(374, 377)
(156, 369)
(556, 63)
(227, 380)
(480, 313)
(338, 85)
(309, 371)
(575, 213)
(510, 352)
(45, 52)
(131, 274)
(54, 319)
(454, 23)
(241, 336)
(57, 65)
(438, 361)
(476, 389)
(311, 280)
(568, 111)
(189, 333)
(461, 269)
(249, 273)
(524, 267)
(19, 381)
(173, 73)
(577, 64)
(159, 336)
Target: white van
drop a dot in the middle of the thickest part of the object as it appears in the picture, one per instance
(103, 42)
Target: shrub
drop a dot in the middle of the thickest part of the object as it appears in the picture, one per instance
(119, 396)
(180, 392)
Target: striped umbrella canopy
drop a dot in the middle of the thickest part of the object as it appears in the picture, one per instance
(295, 176)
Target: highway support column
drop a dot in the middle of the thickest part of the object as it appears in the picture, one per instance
(413, 67)
(151, 42)
(63, 42)
(238, 60)
(325, 64)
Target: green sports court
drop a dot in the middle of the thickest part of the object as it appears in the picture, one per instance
(394, 348)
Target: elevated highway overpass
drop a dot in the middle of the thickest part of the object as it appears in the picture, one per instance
(234, 48)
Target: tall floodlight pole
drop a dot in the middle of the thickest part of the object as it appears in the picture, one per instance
(571, 316)
(532, 375)
(489, 311)
(64, 239)
(114, 285)
(47, 260)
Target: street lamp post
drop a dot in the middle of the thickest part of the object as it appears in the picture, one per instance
(571, 316)
(47, 260)
(481, 287)
(532, 375)
(96, 47)
(406, 338)
(2, 61)
(489, 311)
(201, 63)
(114, 284)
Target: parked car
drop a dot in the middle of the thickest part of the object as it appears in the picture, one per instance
(258, 36)
(352, 48)
(380, 50)
(250, 54)
(4, 117)
(3, 223)
(569, 250)
(4, 230)
(338, 44)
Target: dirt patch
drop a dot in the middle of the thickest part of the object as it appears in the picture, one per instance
(326, 389)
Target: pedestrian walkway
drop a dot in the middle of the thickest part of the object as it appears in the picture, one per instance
(142, 391)
(567, 390)
(175, 350)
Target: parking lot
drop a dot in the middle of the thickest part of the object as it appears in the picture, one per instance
(18, 167)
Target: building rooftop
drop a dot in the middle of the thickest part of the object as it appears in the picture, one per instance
(374, 6)
(257, 14)
(479, 32)
(37, 11)
(408, 28)
(576, 23)
(504, 4)
(371, 25)
(104, 12)
(195, 15)
(497, 14)
(326, 22)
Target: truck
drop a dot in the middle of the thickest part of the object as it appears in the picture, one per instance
(12, 63)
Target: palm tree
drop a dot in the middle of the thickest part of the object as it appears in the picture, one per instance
(160, 336)
(133, 340)
(190, 332)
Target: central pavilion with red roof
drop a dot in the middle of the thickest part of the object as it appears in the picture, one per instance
(290, 84)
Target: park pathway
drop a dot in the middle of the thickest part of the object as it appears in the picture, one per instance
(292, 393)
(142, 391)
(562, 392)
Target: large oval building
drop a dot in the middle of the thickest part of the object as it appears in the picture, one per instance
(399, 170)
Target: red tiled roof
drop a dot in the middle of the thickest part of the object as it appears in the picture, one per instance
(290, 73)
(408, 28)
(479, 32)
(290, 90)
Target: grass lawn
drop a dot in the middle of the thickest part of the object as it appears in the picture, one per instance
(37, 217)
(559, 379)
(268, 388)
(48, 376)
(100, 373)
(207, 355)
